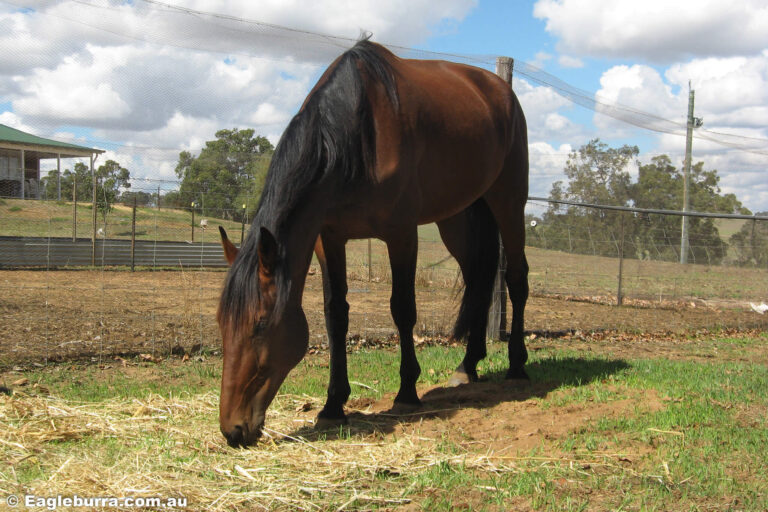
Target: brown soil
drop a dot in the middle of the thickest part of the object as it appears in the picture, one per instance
(74, 314)
(506, 419)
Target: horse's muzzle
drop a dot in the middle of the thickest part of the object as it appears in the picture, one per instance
(240, 436)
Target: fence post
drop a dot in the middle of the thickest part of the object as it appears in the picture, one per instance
(93, 232)
(74, 207)
(370, 269)
(133, 235)
(619, 296)
(242, 225)
(497, 315)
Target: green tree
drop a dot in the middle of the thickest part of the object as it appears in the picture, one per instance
(751, 243)
(110, 178)
(139, 197)
(597, 174)
(80, 175)
(660, 186)
(228, 173)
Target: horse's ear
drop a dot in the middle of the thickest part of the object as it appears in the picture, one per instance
(230, 251)
(267, 252)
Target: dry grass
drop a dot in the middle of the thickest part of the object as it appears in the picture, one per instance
(168, 447)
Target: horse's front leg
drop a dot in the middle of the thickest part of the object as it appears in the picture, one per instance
(403, 248)
(333, 262)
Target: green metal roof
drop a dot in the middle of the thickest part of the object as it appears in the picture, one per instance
(12, 135)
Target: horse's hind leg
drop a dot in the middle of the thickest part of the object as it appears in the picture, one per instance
(402, 247)
(507, 199)
(517, 282)
(472, 239)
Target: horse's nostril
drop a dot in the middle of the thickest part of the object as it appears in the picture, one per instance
(235, 437)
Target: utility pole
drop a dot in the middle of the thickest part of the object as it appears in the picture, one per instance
(693, 122)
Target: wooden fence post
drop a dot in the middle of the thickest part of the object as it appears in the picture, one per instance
(74, 207)
(497, 315)
(619, 293)
(133, 235)
(93, 217)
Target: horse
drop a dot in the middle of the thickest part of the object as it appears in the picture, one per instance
(380, 145)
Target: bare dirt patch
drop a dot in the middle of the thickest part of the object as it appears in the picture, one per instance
(54, 315)
(503, 418)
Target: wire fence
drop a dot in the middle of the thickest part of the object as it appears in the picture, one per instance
(51, 311)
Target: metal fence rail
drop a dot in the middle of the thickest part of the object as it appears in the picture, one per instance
(16, 252)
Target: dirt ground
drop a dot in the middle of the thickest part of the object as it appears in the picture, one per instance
(490, 424)
(54, 315)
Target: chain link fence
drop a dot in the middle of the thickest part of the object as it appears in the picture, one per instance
(99, 309)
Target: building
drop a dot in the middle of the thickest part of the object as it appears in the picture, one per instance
(20, 156)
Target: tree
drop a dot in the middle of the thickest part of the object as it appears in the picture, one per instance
(80, 175)
(597, 174)
(228, 173)
(660, 186)
(139, 197)
(751, 243)
(110, 178)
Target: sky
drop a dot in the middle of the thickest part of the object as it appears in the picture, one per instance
(145, 79)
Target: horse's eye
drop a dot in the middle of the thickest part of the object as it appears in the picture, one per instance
(259, 327)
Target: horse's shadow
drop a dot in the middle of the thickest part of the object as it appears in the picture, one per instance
(444, 403)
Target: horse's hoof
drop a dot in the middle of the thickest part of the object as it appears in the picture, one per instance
(458, 379)
(461, 376)
(329, 423)
(517, 374)
(408, 399)
(404, 408)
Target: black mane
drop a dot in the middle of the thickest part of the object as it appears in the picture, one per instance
(331, 138)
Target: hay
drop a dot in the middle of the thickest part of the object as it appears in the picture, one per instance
(171, 447)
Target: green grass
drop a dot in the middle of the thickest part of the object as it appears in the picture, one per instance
(55, 219)
(692, 437)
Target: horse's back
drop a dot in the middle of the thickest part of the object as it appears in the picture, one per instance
(457, 126)
(439, 146)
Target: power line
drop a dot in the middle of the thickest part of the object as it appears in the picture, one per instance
(315, 44)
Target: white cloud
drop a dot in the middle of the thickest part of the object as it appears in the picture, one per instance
(639, 88)
(540, 59)
(542, 106)
(731, 94)
(14, 121)
(158, 79)
(656, 30)
(570, 62)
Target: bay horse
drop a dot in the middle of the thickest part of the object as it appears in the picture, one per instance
(380, 146)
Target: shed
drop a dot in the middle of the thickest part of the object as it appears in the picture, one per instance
(20, 155)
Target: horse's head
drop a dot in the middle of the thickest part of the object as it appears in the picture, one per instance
(262, 340)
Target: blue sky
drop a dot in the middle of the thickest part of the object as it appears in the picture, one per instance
(155, 79)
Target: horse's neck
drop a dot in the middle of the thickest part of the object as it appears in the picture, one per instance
(298, 238)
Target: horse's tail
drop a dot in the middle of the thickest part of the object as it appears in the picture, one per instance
(479, 271)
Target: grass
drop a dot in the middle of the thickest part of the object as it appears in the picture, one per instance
(672, 433)
(54, 219)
